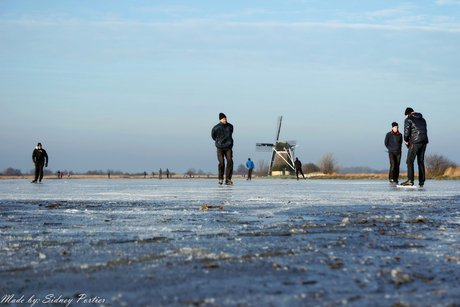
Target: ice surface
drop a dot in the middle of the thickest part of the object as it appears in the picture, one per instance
(191, 242)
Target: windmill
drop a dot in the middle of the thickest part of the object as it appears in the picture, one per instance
(279, 148)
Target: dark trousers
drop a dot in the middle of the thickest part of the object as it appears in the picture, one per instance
(416, 150)
(221, 155)
(395, 160)
(249, 173)
(297, 171)
(39, 170)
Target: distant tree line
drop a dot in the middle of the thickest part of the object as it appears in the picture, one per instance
(436, 165)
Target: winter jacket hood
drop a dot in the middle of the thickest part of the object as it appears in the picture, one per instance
(415, 130)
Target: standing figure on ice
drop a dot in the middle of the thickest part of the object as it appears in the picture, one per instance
(222, 135)
(250, 167)
(298, 168)
(40, 159)
(416, 138)
(393, 142)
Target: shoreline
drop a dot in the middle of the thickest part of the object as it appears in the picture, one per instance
(403, 177)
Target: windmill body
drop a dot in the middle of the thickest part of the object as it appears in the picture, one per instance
(285, 150)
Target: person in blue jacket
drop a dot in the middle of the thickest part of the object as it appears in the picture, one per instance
(393, 142)
(250, 167)
(222, 134)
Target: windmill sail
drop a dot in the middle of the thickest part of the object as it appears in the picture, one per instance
(278, 130)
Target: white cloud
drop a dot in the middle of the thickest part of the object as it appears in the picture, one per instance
(447, 2)
(166, 9)
(385, 13)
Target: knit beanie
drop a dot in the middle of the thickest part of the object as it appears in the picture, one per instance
(394, 124)
(222, 115)
(408, 111)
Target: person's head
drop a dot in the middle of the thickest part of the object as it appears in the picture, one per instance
(222, 118)
(395, 126)
(39, 145)
(249, 159)
(408, 111)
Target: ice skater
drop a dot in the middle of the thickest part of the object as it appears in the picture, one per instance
(416, 139)
(250, 167)
(40, 159)
(393, 142)
(298, 168)
(222, 135)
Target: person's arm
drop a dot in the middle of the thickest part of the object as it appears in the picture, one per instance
(407, 131)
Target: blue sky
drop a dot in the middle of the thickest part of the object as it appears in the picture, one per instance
(138, 85)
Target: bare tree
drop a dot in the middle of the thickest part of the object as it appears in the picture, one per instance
(437, 165)
(190, 171)
(328, 164)
(200, 172)
(12, 172)
(261, 168)
(241, 169)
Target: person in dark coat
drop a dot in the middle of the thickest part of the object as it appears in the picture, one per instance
(222, 134)
(40, 159)
(416, 139)
(393, 142)
(298, 168)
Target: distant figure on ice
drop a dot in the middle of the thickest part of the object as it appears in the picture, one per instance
(108, 175)
(393, 142)
(250, 167)
(145, 174)
(153, 175)
(40, 159)
(416, 139)
(298, 168)
(159, 173)
(222, 135)
(167, 173)
(59, 174)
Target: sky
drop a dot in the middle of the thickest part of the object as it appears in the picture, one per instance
(138, 85)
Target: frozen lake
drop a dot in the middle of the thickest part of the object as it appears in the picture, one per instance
(191, 242)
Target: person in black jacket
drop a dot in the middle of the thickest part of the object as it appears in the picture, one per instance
(416, 139)
(222, 135)
(40, 159)
(298, 168)
(393, 142)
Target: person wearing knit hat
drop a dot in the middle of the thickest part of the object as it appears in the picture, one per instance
(222, 134)
(416, 140)
(40, 159)
(393, 142)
